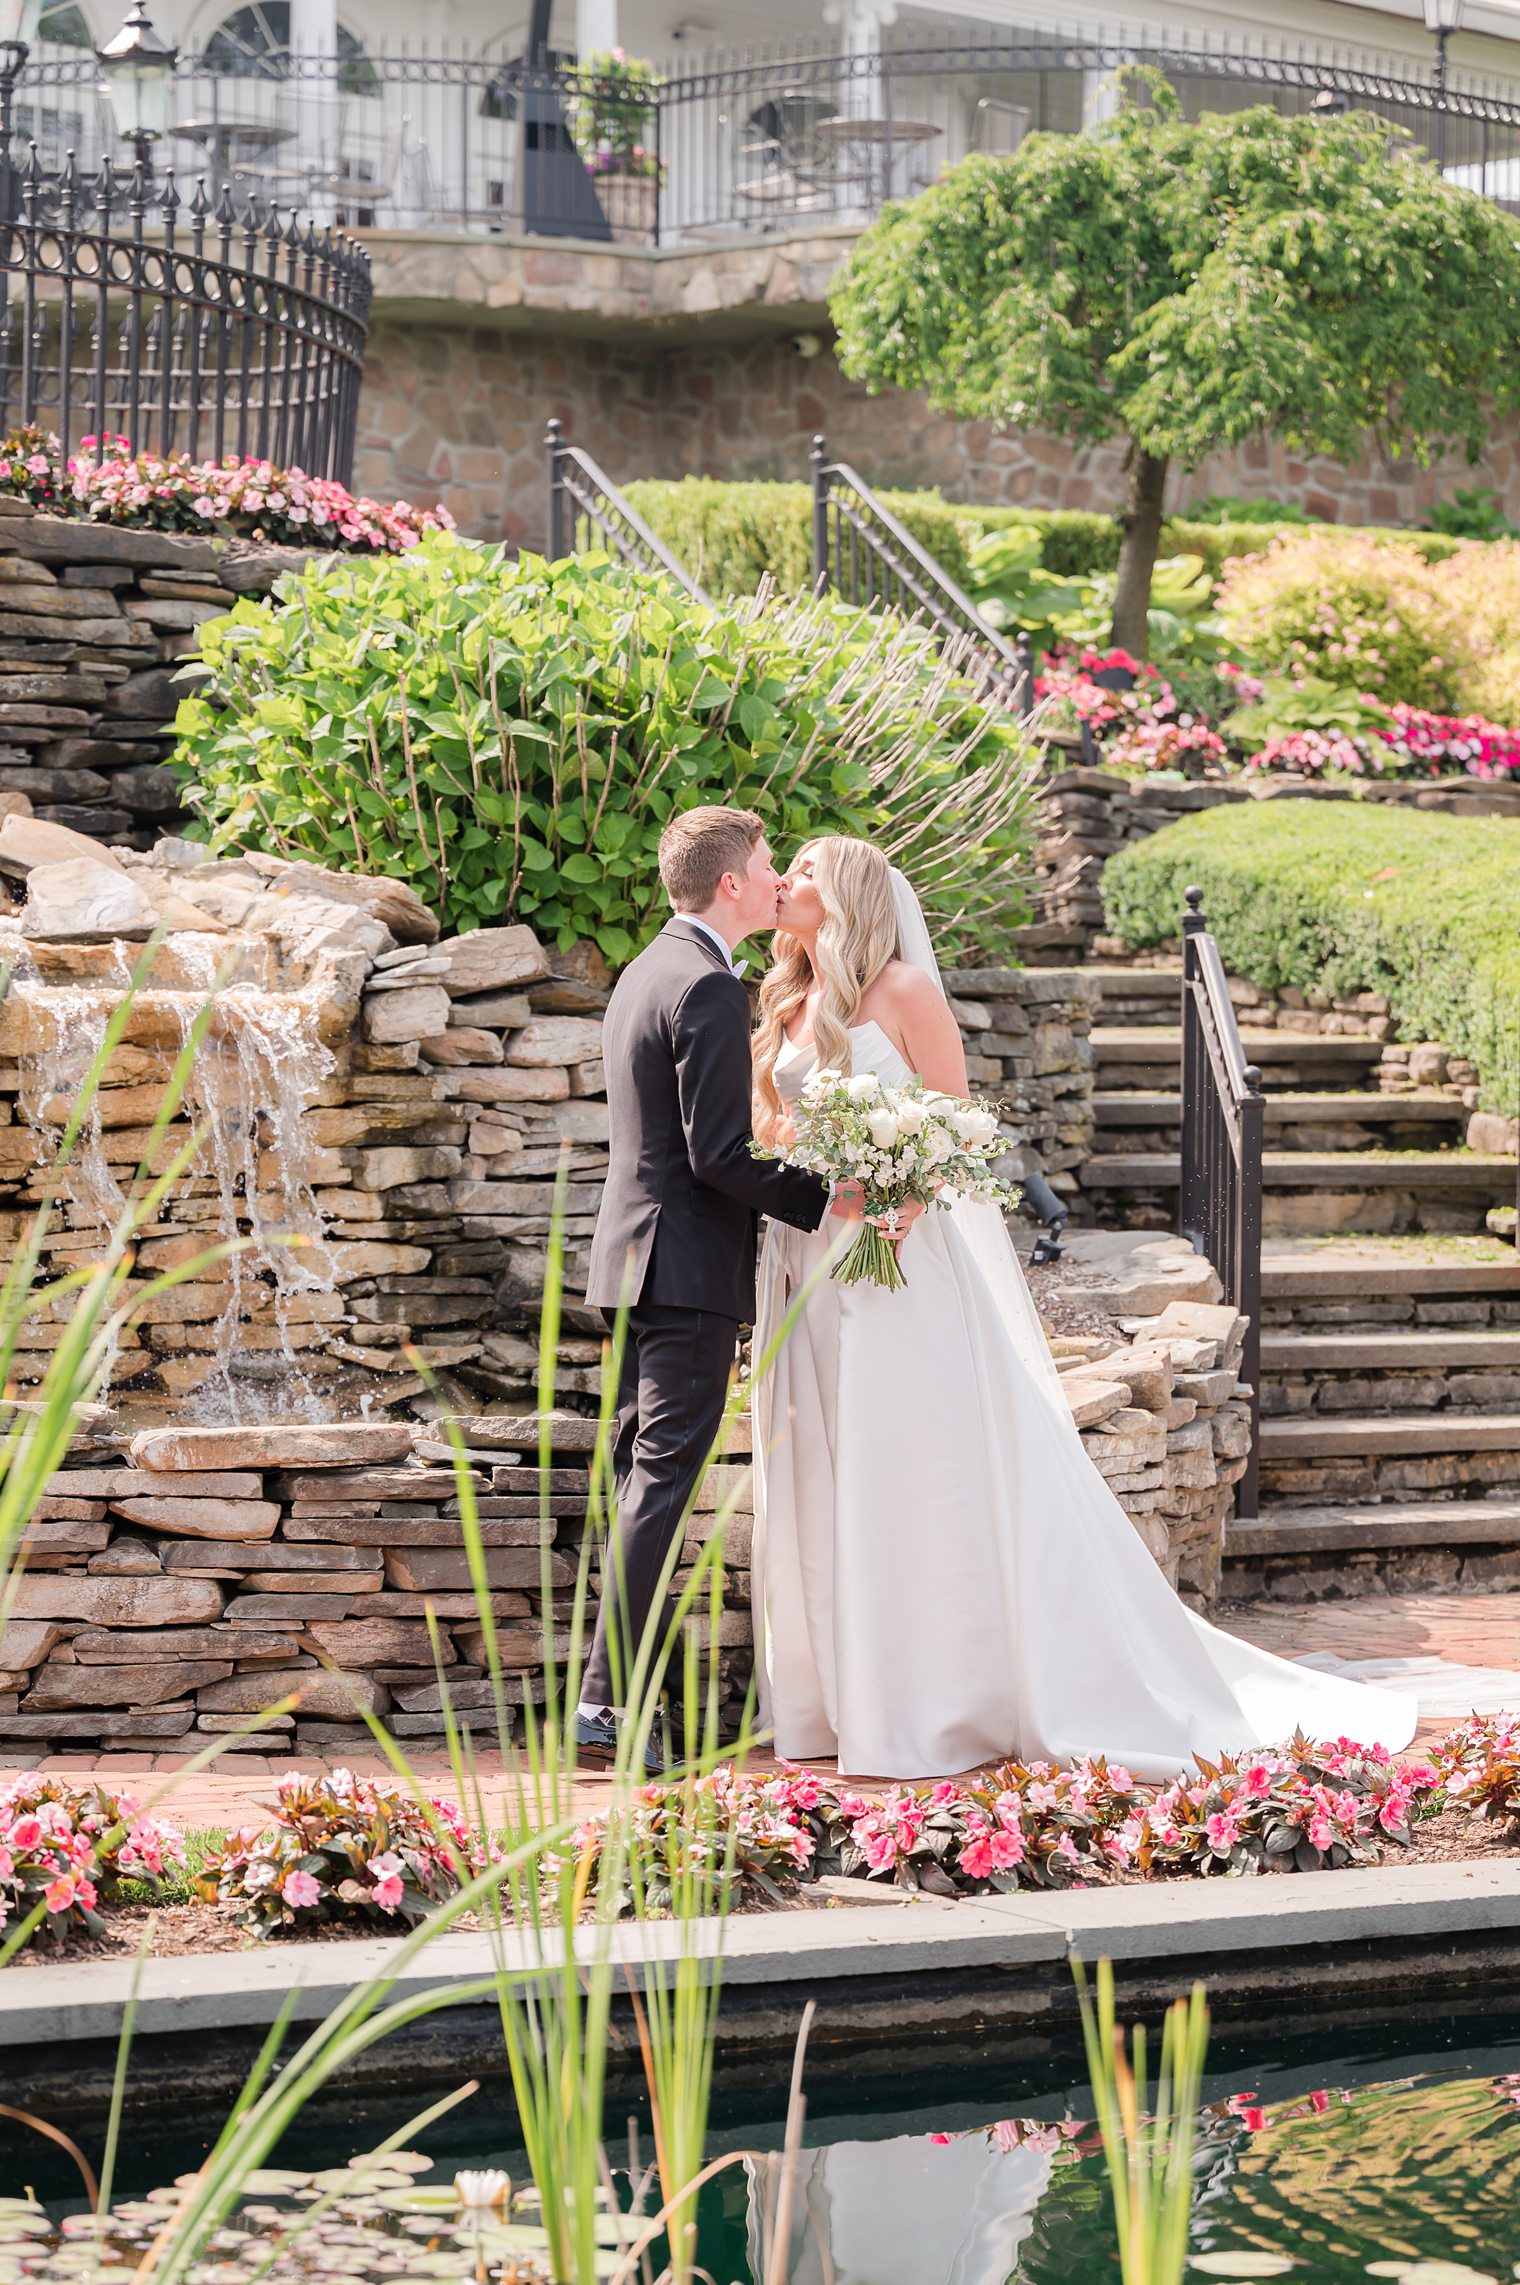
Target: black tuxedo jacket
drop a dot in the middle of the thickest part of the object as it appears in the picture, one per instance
(683, 1193)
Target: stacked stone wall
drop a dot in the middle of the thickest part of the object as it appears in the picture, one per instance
(180, 1580)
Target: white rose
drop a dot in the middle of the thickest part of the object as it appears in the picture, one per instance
(910, 1116)
(863, 1088)
(883, 1128)
(984, 1128)
(964, 1123)
(938, 1147)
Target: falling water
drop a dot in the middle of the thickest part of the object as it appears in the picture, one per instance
(253, 1073)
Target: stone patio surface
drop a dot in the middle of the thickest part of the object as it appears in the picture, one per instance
(1454, 1651)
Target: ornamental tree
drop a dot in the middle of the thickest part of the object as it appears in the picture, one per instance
(1186, 285)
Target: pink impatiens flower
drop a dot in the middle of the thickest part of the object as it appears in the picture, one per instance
(300, 1891)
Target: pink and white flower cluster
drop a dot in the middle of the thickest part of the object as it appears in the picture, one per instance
(105, 482)
(1187, 747)
(1304, 1807)
(342, 1847)
(70, 1848)
(1441, 742)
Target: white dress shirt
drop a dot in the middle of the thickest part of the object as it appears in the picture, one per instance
(706, 926)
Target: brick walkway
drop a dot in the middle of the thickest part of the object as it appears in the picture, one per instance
(1463, 1630)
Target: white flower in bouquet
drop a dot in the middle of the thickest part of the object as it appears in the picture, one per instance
(899, 1143)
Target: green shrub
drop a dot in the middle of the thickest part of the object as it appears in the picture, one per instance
(1235, 508)
(510, 738)
(1346, 897)
(1348, 608)
(731, 535)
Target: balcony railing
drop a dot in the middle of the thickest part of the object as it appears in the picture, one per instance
(724, 146)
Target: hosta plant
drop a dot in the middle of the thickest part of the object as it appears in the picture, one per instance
(71, 1848)
(341, 1847)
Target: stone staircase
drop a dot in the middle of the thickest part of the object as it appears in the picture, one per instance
(1390, 1355)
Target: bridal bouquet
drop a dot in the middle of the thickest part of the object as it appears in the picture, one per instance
(897, 1142)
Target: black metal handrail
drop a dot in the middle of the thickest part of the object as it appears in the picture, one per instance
(869, 556)
(586, 509)
(1221, 1154)
(239, 334)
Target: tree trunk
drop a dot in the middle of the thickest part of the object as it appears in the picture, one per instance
(1141, 523)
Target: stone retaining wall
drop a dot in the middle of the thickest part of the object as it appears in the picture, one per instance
(93, 623)
(180, 1579)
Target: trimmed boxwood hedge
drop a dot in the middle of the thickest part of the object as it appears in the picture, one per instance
(1353, 896)
(736, 532)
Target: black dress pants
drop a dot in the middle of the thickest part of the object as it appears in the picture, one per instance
(676, 1369)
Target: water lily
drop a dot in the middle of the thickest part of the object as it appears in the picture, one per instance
(478, 2190)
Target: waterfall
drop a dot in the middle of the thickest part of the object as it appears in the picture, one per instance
(258, 1065)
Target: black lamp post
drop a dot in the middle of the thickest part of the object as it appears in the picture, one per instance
(1442, 17)
(18, 29)
(137, 66)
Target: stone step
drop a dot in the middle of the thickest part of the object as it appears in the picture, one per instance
(1150, 1055)
(1427, 1350)
(1358, 1457)
(1369, 1435)
(1484, 1174)
(1325, 1375)
(1141, 1108)
(1360, 1269)
(1388, 1523)
(1299, 1554)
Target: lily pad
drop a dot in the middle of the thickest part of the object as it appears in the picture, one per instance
(1432, 2273)
(1246, 2263)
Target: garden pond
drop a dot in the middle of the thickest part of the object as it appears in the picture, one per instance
(1346, 2159)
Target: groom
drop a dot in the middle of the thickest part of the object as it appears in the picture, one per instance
(675, 1237)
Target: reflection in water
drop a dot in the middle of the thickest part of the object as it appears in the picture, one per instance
(903, 2212)
(1421, 2169)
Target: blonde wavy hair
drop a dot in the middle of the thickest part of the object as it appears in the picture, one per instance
(857, 939)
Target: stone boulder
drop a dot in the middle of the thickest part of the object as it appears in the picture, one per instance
(83, 901)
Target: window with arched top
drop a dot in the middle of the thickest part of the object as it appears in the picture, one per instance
(254, 43)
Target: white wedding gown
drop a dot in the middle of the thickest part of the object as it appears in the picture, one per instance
(942, 1577)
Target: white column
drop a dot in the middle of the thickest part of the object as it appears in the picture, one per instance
(314, 49)
(861, 23)
(596, 26)
(1100, 98)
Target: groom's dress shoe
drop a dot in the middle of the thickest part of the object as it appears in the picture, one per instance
(596, 1744)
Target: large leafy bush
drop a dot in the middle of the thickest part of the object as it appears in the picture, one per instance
(1343, 606)
(1346, 897)
(511, 738)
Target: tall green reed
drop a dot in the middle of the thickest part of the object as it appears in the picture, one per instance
(1148, 2145)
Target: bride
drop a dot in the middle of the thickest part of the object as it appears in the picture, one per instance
(942, 1577)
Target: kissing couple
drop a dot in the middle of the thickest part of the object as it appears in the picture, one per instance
(942, 1578)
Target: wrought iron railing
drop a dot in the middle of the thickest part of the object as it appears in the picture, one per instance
(1221, 1153)
(725, 144)
(213, 330)
(869, 556)
(586, 510)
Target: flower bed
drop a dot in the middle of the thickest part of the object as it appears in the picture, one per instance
(342, 1849)
(105, 482)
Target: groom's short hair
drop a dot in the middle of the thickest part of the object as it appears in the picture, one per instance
(699, 846)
